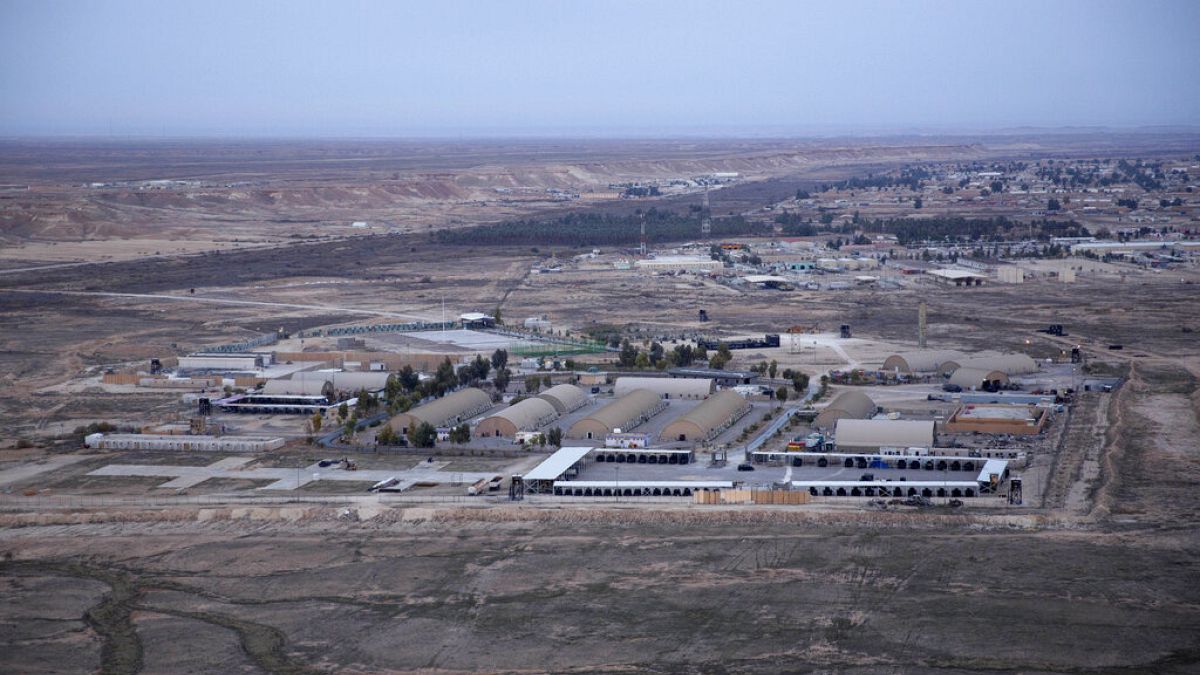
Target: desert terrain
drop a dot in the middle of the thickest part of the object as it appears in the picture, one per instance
(102, 268)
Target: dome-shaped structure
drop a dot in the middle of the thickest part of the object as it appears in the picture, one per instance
(525, 415)
(924, 361)
(447, 411)
(565, 397)
(624, 413)
(716, 414)
(853, 405)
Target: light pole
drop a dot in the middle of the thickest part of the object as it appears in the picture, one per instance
(617, 469)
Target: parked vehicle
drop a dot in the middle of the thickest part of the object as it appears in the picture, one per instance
(745, 467)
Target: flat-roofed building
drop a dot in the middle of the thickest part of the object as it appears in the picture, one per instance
(874, 434)
(959, 278)
(667, 387)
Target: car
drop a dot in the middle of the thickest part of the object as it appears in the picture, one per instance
(745, 467)
(952, 388)
(867, 477)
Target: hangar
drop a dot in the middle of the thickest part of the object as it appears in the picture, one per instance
(708, 419)
(1009, 364)
(925, 361)
(667, 387)
(624, 413)
(527, 415)
(873, 434)
(978, 378)
(447, 411)
(849, 404)
(565, 397)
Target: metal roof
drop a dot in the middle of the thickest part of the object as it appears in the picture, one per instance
(886, 483)
(996, 466)
(557, 464)
(1010, 364)
(696, 387)
(956, 274)
(694, 484)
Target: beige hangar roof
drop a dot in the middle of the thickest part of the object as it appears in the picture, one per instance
(451, 409)
(924, 361)
(564, 397)
(850, 404)
(525, 415)
(971, 378)
(667, 387)
(713, 415)
(1010, 364)
(626, 412)
(878, 433)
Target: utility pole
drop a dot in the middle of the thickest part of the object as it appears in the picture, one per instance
(921, 325)
(705, 220)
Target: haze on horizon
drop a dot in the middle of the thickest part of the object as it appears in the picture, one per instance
(529, 67)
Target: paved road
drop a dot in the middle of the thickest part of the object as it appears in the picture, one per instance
(226, 301)
(20, 473)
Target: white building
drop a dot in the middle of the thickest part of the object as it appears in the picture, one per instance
(686, 263)
(182, 443)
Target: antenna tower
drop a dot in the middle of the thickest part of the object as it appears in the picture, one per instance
(643, 249)
(705, 221)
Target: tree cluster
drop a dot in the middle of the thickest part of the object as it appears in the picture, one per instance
(600, 229)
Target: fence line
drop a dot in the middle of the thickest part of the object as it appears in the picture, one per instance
(18, 502)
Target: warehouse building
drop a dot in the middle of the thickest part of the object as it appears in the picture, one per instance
(347, 381)
(924, 361)
(708, 419)
(182, 442)
(624, 413)
(667, 387)
(874, 434)
(853, 405)
(565, 398)
(295, 387)
(680, 263)
(447, 411)
(221, 362)
(527, 415)
(959, 278)
(724, 378)
(971, 379)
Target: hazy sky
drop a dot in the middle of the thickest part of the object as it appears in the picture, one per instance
(343, 68)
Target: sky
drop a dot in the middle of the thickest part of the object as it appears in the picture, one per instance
(453, 68)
